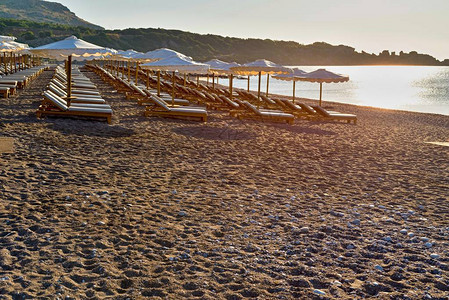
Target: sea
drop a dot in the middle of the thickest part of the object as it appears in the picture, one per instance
(410, 88)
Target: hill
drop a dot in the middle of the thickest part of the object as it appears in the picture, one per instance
(203, 47)
(41, 11)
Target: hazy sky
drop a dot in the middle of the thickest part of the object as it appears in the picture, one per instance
(369, 25)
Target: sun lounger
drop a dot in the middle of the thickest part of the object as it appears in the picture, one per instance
(335, 115)
(18, 81)
(265, 115)
(162, 110)
(52, 105)
(52, 97)
(76, 98)
(294, 108)
(76, 91)
(167, 99)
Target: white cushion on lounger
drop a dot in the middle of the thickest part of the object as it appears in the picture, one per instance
(87, 109)
(188, 110)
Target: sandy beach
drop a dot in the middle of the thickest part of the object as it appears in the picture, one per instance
(228, 209)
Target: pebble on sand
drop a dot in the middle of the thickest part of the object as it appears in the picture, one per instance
(434, 256)
(379, 268)
(319, 292)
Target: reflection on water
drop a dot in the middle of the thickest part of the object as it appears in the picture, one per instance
(422, 89)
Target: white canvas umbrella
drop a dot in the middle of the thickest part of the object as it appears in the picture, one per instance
(260, 66)
(293, 76)
(129, 54)
(71, 46)
(6, 46)
(7, 38)
(10, 45)
(321, 76)
(177, 63)
(159, 54)
(220, 67)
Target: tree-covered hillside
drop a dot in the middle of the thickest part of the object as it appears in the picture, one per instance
(203, 47)
(41, 11)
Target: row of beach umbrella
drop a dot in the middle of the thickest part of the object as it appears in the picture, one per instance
(172, 61)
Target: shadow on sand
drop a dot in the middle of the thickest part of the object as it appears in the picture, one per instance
(88, 127)
(304, 129)
(214, 133)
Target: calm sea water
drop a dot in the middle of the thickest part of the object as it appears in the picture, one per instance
(421, 89)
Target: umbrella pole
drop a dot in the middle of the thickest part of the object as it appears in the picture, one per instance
(258, 90)
(123, 69)
(173, 94)
(248, 84)
(230, 86)
(213, 81)
(268, 81)
(4, 63)
(321, 91)
(148, 79)
(158, 83)
(129, 71)
(294, 90)
(137, 72)
(69, 79)
(10, 64)
(15, 63)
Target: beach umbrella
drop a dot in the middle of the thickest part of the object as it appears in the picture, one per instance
(159, 54)
(322, 76)
(222, 68)
(260, 67)
(7, 47)
(178, 63)
(7, 38)
(128, 54)
(293, 76)
(10, 45)
(71, 46)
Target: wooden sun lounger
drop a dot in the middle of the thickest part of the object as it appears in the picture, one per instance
(162, 110)
(54, 107)
(77, 85)
(265, 115)
(76, 91)
(19, 82)
(335, 115)
(167, 99)
(293, 108)
(76, 98)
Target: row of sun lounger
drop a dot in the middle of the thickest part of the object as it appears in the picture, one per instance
(154, 105)
(10, 84)
(243, 105)
(85, 100)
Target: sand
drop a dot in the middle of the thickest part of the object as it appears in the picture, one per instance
(229, 209)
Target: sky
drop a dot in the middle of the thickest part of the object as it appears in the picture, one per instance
(368, 25)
